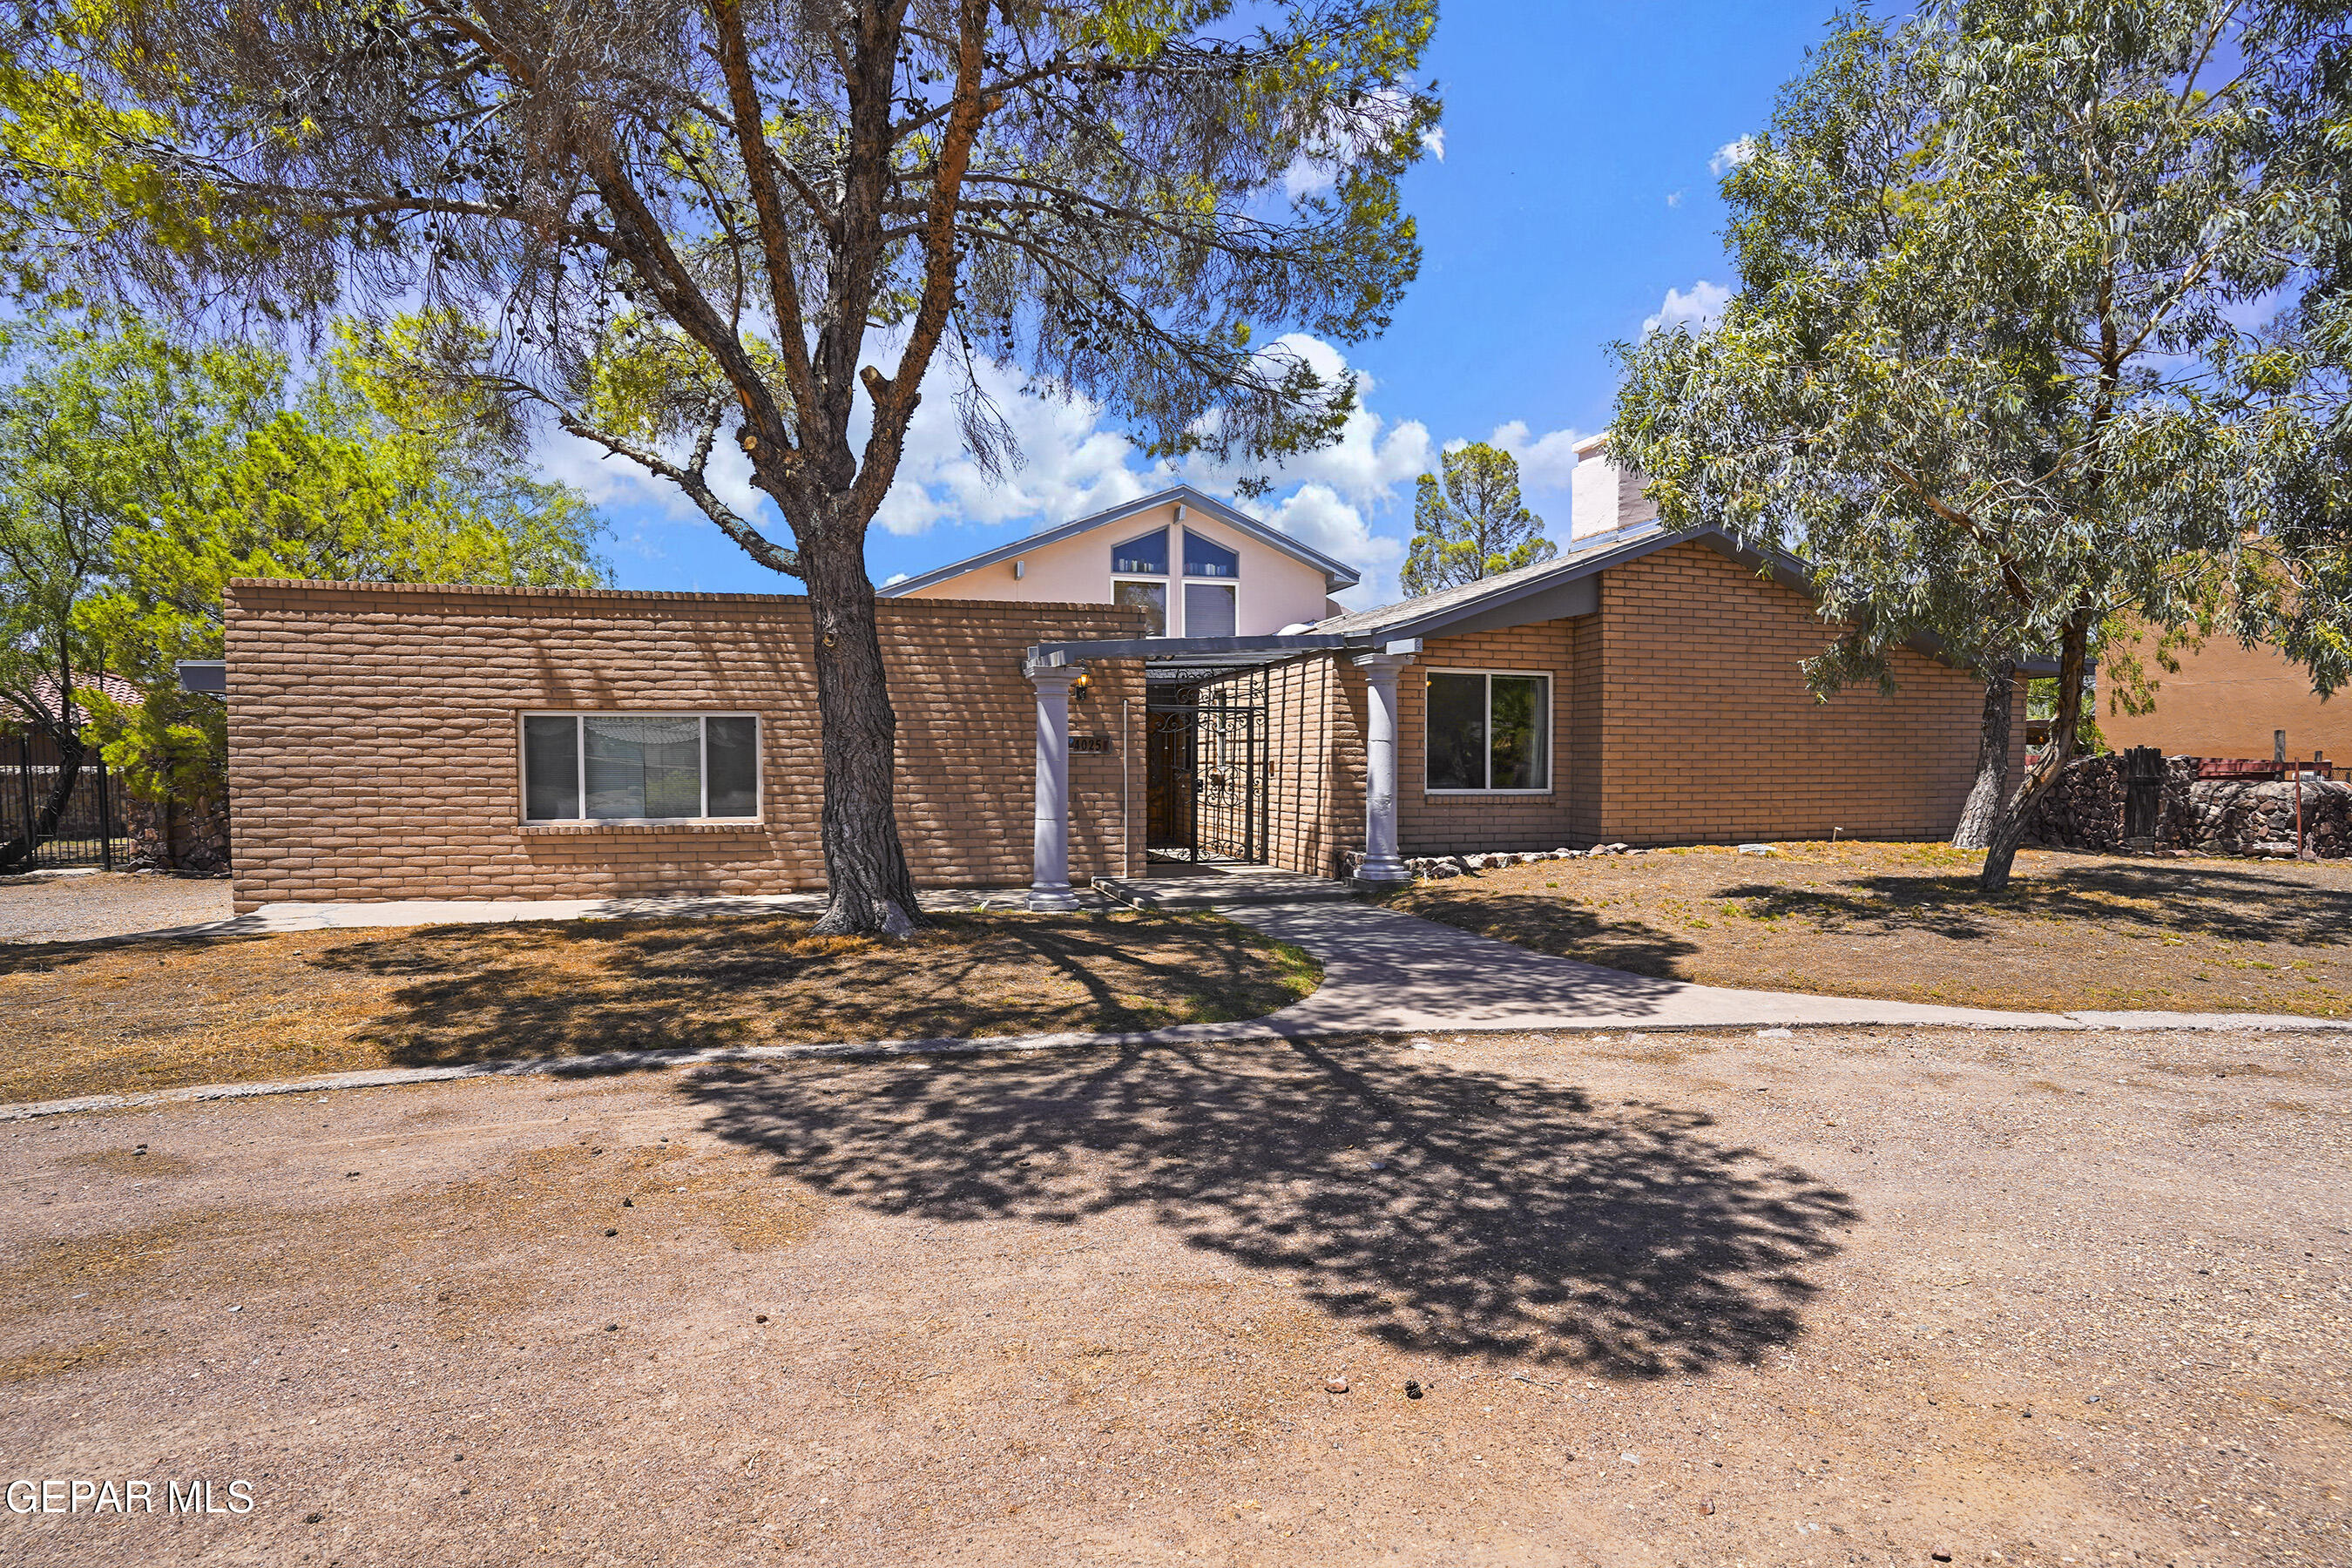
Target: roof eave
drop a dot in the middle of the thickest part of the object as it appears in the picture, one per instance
(1337, 575)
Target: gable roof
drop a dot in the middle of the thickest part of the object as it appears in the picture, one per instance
(1430, 613)
(1337, 574)
(1549, 589)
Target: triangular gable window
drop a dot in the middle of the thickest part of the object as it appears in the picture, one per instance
(1145, 556)
(1203, 558)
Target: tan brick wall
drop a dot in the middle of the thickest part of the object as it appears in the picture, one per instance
(1710, 735)
(1315, 716)
(2229, 700)
(1434, 824)
(372, 739)
(1680, 715)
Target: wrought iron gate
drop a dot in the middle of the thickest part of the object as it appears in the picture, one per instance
(93, 829)
(1205, 772)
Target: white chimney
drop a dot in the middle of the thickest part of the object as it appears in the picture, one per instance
(1605, 497)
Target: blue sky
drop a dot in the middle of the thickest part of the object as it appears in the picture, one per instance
(1574, 195)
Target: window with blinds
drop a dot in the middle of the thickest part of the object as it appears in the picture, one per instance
(640, 767)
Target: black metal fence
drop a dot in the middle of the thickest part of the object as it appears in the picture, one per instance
(93, 829)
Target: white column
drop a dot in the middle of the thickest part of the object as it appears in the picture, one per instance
(1049, 882)
(1380, 863)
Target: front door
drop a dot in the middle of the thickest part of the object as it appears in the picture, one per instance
(1204, 770)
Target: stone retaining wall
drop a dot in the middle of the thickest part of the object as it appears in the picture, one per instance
(179, 835)
(2084, 811)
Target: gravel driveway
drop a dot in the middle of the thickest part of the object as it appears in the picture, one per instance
(1683, 1300)
(66, 907)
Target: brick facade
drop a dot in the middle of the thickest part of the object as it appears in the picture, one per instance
(1680, 715)
(1710, 735)
(372, 739)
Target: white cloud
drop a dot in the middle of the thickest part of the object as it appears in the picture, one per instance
(1352, 500)
(1070, 464)
(1730, 156)
(1546, 462)
(1317, 518)
(1673, 198)
(1365, 464)
(1343, 139)
(1697, 310)
(608, 481)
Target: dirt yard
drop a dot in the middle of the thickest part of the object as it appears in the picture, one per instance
(151, 1014)
(74, 906)
(1688, 1299)
(1905, 921)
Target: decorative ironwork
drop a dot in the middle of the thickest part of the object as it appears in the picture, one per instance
(1206, 771)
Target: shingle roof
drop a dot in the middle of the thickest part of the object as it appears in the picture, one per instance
(1576, 562)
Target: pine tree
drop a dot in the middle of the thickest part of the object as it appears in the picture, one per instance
(1472, 524)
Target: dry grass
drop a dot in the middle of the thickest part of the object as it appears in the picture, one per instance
(152, 1015)
(1905, 921)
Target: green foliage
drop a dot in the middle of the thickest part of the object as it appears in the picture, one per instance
(151, 473)
(2042, 704)
(690, 220)
(2023, 342)
(702, 220)
(1472, 524)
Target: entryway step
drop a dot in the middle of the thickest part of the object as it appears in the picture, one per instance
(1228, 885)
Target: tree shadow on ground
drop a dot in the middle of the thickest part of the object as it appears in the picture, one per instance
(2167, 897)
(49, 957)
(1443, 1211)
(1542, 922)
(477, 992)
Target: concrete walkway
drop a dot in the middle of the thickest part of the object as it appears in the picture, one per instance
(1384, 973)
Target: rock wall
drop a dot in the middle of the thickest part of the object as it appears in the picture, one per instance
(2227, 816)
(179, 835)
(2084, 811)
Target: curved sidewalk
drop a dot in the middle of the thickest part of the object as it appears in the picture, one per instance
(1384, 973)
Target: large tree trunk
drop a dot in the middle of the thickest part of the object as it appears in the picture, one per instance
(1983, 811)
(865, 864)
(2009, 834)
(16, 854)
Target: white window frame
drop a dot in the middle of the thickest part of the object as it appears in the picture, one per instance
(1233, 550)
(1172, 610)
(580, 765)
(1551, 731)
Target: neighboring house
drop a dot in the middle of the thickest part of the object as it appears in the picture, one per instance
(1193, 565)
(28, 736)
(2231, 700)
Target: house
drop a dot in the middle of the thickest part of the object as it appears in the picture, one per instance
(2231, 700)
(391, 740)
(1644, 687)
(1193, 566)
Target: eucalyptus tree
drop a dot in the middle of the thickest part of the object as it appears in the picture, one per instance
(2015, 348)
(773, 224)
(1471, 523)
(92, 423)
(139, 474)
